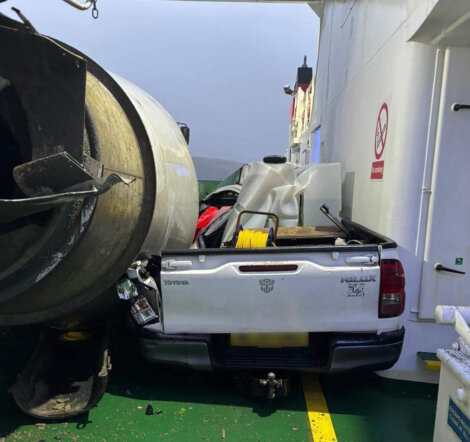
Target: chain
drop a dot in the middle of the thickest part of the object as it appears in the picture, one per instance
(94, 12)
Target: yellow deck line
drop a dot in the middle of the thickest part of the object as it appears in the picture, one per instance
(319, 418)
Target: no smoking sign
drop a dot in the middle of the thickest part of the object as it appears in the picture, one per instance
(381, 131)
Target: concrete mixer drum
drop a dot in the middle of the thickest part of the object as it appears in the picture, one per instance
(92, 169)
(92, 173)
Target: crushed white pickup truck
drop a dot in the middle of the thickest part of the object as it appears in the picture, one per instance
(317, 305)
(259, 290)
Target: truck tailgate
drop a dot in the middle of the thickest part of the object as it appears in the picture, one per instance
(280, 291)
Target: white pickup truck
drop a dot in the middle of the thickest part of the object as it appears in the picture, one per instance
(315, 305)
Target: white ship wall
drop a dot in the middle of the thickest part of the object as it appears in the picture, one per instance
(366, 59)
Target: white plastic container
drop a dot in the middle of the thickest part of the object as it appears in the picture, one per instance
(320, 184)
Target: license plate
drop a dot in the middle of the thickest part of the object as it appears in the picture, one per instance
(269, 340)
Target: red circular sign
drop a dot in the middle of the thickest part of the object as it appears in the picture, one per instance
(381, 130)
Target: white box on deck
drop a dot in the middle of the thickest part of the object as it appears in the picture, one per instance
(453, 403)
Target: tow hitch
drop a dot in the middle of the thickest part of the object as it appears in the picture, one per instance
(270, 387)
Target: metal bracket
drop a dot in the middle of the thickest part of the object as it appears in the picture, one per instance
(326, 211)
(139, 272)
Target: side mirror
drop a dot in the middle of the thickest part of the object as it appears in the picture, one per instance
(185, 131)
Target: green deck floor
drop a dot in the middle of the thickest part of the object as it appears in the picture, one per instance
(210, 407)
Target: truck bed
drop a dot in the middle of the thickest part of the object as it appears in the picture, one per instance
(319, 287)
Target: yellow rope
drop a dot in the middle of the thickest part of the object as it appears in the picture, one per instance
(251, 239)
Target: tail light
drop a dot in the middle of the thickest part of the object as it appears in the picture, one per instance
(392, 289)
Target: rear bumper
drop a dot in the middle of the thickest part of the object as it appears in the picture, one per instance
(327, 352)
(377, 352)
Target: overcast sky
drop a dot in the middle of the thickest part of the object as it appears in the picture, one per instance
(219, 67)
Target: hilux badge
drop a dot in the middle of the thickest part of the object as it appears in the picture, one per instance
(266, 285)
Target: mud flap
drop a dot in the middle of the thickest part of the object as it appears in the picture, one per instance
(65, 377)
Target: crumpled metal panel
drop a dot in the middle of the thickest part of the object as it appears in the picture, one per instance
(51, 174)
(17, 208)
